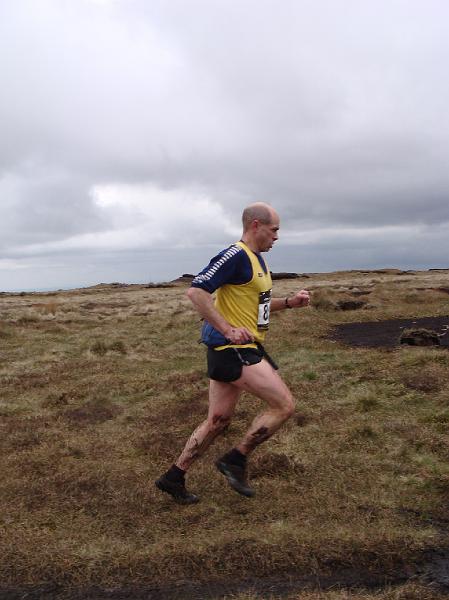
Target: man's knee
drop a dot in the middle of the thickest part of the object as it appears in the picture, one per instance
(288, 405)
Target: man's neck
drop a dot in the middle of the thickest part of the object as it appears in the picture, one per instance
(250, 243)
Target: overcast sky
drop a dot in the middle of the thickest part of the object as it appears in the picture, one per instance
(133, 133)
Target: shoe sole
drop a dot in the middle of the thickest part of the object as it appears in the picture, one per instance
(233, 482)
(192, 499)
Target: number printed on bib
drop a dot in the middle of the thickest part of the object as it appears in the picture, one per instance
(263, 320)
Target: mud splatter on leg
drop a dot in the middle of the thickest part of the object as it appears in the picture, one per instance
(201, 439)
(255, 438)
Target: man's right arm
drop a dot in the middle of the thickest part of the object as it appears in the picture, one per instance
(204, 304)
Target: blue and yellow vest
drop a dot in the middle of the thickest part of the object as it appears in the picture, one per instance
(243, 305)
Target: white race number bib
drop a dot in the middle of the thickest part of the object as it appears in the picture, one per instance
(263, 320)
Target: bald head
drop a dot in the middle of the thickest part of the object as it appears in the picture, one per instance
(261, 211)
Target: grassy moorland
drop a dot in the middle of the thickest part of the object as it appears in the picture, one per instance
(100, 388)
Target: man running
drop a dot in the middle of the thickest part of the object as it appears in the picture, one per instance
(234, 328)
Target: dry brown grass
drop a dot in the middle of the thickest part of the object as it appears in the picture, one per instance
(101, 387)
(409, 591)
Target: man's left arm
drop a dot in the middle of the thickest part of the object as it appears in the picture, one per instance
(298, 300)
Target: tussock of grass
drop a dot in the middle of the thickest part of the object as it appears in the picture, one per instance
(49, 308)
(411, 298)
(97, 401)
(28, 318)
(324, 299)
(5, 332)
(101, 347)
(429, 379)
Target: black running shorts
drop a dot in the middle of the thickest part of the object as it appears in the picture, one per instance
(226, 365)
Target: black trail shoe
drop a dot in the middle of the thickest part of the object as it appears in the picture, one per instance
(176, 490)
(236, 477)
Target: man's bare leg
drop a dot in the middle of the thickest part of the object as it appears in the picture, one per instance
(262, 381)
(223, 398)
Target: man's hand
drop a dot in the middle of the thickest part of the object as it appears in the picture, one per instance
(238, 335)
(301, 298)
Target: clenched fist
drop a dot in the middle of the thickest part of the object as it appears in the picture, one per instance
(301, 298)
(239, 335)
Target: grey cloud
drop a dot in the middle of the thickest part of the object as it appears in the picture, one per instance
(337, 116)
(38, 209)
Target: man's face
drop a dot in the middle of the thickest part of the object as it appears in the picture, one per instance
(267, 233)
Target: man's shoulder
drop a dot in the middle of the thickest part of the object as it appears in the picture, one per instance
(222, 266)
(228, 253)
